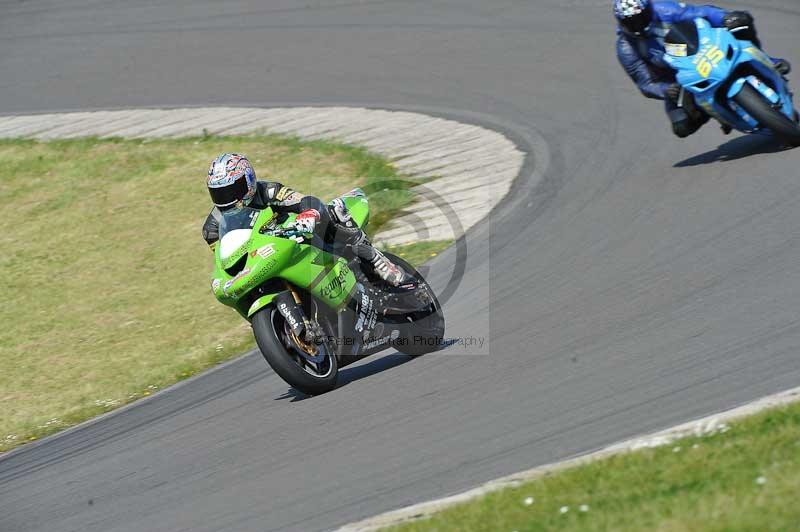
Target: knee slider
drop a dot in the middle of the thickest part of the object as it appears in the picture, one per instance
(682, 129)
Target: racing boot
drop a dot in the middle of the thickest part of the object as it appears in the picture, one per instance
(384, 268)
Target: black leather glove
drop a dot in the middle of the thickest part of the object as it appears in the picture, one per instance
(673, 92)
(742, 25)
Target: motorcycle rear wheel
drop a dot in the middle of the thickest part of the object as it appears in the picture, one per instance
(425, 334)
(760, 109)
(284, 355)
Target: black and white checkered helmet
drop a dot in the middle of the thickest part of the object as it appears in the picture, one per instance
(634, 16)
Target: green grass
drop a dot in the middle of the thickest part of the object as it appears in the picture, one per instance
(746, 478)
(419, 252)
(106, 276)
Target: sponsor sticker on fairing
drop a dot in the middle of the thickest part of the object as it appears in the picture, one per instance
(363, 313)
(227, 286)
(676, 50)
(264, 251)
(336, 286)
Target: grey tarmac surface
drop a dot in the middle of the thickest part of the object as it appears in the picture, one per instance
(644, 282)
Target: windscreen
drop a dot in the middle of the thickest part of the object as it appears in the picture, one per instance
(234, 219)
(682, 40)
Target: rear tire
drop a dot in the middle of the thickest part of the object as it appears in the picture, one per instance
(767, 116)
(271, 343)
(426, 334)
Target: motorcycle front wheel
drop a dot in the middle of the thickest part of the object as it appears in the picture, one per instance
(311, 369)
(767, 116)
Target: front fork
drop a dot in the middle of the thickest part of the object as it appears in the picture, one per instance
(290, 306)
(355, 322)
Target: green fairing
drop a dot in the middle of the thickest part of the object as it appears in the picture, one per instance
(359, 208)
(326, 277)
(260, 303)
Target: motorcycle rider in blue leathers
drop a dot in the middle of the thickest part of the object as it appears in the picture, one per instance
(643, 24)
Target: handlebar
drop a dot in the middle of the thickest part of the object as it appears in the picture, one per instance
(284, 232)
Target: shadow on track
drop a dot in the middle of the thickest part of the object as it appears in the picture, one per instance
(353, 373)
(293, 395)
(737, 148)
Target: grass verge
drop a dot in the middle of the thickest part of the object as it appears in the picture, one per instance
(106, 298)
(744, 477)
(419, 252)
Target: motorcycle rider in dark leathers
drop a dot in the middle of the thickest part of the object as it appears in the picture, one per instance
(642, 27)
(232, 184)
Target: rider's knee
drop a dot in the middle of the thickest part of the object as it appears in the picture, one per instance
(683, 124)
(683, 129)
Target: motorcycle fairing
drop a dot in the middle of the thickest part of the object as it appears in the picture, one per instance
(723, 60)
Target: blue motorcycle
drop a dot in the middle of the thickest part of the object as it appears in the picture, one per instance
(732, 80)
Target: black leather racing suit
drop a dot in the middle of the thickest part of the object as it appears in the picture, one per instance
(283, 199)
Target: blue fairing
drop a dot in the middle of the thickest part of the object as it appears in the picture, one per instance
(643, 58)
(719, 57)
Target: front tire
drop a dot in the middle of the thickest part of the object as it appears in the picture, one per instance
(284, 356)
(767, 116)
(425, 334)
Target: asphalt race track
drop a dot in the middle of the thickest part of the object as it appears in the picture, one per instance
(644, 281)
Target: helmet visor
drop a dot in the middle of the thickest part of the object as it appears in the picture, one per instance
(227, 196)
(637, 24)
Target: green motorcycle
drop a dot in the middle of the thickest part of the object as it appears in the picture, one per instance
(315, 307)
